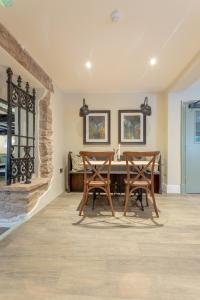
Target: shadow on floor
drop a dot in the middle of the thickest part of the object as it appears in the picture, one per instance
(100, 217)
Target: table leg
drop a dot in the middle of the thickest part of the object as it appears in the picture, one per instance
(94, 198)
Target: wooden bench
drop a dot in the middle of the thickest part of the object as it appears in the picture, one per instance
(74, 182)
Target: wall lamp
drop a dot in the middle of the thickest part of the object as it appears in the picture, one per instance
(145, 108)
(84, 110)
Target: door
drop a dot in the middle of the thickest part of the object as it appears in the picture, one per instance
(192, 149)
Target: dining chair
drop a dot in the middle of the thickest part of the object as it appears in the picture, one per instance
(100, 177)
(140, 176)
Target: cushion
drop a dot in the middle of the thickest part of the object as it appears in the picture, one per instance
(156, 166)
(76, 162)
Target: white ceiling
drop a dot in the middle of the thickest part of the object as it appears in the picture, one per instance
(62, 35)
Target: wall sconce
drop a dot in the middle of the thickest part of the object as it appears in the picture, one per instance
(145, 108)
(84, 110)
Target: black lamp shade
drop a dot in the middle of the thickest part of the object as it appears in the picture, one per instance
(84, 110)
(145, 108)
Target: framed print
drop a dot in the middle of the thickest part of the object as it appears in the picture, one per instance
(96, 127)
(132, 127)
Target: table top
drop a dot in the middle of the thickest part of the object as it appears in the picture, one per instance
(120, 162)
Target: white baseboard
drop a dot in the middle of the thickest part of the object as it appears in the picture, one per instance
(173, 189)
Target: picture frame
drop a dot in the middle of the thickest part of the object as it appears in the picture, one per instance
(96, 128)
(131, 127)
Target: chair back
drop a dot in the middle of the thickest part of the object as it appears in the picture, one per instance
(139, 171)
(103, 165)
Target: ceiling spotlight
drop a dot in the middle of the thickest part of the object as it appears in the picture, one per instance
(88, 65)
(115, 15)
(153, 61)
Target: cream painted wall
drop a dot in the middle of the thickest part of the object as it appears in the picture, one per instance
(174, 134)
(113, 102)
(156, 123)
(162, 133)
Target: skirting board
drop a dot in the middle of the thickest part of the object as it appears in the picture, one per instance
(173, 189)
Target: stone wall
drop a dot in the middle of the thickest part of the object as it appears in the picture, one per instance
(45, 138)
(11, 45)
(19, 199)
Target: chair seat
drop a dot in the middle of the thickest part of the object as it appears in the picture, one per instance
(137, 182)
(97, 182)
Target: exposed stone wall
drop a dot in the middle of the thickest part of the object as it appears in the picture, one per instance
(17, 200)
(10, 44)
(45, 138)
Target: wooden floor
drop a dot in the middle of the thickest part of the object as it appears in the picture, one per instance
(58, 255)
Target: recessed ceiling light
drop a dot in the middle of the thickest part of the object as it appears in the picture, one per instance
(115, 15)
(153, 61)
(88, 65)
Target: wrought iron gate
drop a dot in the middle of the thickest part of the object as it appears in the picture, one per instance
(21, 131)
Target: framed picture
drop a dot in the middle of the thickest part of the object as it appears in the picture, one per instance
(96, 127)
(132, 127)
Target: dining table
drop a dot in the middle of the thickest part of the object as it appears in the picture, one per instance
(120, 162)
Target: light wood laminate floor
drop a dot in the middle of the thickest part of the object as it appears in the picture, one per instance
(58, 255)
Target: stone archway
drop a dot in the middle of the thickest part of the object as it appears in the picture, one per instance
(17, 200)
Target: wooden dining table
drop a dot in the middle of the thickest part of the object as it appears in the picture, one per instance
(120, 162)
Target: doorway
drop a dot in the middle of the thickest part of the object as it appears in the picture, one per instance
(191, 147)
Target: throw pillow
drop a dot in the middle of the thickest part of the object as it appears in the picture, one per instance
(156, 166)
(76, 162)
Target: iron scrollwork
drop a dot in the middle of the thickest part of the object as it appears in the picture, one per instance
(20, 143)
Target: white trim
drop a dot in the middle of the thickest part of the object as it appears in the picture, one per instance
(173, 189)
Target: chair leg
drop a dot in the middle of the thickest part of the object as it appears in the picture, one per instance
(110, 200)
(126, 199)
(140, 199)
(84, 201)
(147, 202)
(142, 207)
(94, 198)
(154, 204)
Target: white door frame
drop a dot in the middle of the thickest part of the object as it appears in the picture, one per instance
(183, 146)
(184, 106)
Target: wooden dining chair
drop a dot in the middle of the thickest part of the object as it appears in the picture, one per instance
(100, 177)
(140, 176)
